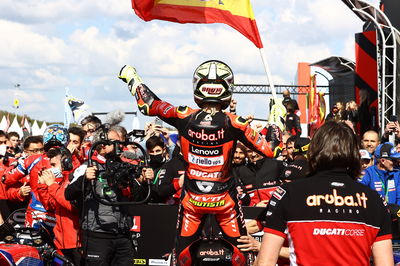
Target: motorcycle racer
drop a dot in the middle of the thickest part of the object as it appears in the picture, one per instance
(208, 137)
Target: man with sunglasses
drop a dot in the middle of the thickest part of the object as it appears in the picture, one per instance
(89, 124)
(366, 160)
(383, 176)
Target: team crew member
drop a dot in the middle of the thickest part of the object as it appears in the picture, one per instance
(329, 218)
(51, 194)
(54, 136)
(208, 137)
(260, 178)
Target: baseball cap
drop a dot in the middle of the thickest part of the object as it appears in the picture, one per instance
(365, 154)
(301, 145)
(387, 150)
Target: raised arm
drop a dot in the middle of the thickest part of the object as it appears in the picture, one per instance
(251, 138)
(147, 101)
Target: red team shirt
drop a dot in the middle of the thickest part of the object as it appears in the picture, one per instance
(329, 219)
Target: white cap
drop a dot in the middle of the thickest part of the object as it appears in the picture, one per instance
(365, 154)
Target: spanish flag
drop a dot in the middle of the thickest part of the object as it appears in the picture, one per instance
(236, 13)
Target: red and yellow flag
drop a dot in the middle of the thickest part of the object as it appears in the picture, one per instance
(316, 107)
(236, 13)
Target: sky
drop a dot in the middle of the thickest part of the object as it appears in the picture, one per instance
(49, 45)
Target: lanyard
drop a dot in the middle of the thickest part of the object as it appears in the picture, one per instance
(384, 187)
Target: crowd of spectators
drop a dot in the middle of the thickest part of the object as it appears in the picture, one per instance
(68, 209)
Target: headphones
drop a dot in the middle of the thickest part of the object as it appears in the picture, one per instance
(66, 159)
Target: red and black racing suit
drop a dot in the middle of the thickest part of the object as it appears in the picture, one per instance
(207, 143)
(328, 218)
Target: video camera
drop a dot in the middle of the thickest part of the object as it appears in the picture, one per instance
(119, 173)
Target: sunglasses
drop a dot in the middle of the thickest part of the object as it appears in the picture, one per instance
(91, 131)
(365, 161)
(3, 142)
(37, 150)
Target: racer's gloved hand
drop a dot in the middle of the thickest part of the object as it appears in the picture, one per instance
(129, 75)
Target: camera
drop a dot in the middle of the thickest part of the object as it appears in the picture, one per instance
(393, 118)
(119, 173)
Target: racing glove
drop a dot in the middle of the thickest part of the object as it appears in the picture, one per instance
(129, 75)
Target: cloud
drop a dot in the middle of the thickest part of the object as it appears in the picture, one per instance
(50, 44)
(46, 11)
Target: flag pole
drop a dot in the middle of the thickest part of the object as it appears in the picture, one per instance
(269, 76)
(66, 106)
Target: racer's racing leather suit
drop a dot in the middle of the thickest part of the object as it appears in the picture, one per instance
(207, 143)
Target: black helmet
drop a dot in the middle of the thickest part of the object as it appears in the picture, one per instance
(212, 82)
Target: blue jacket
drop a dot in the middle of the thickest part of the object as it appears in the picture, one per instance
(387, 184)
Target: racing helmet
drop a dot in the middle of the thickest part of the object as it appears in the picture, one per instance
(55, 135)
(212, 82)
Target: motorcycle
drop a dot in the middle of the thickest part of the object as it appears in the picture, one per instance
(213, 249)
(21, 245)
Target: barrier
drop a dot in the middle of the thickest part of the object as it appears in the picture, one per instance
(154, 228)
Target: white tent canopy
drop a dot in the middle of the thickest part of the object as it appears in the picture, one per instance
(3, 123)
(35, 129)
(15, 127)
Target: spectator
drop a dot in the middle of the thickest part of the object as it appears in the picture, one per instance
(366, 160)
(260, 177)
(239, 157)
(76, 138)
(290, 149)
(14, 138)
(292, 122)
(333, 115)
(342, 113)
(370, 141)
(391, 128)
(318, 210)
(33, 145)
(12, 197)
(288, 100)
(3, 137)
(397, 146)
(239, 166)
(232, 106)
(300, 148)
(157, 151)
(298, 168)
(382, 177)
(90, 124)
(281, 151)
(352, 112)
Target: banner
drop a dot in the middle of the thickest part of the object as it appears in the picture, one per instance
(236, 13)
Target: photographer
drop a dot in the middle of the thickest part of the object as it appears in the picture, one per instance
(392, 127)
(104, 229)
